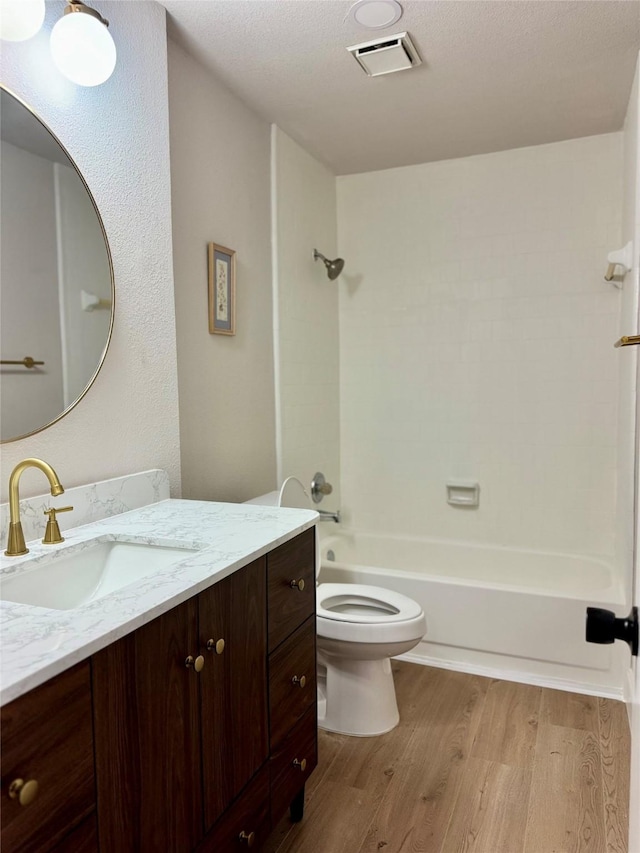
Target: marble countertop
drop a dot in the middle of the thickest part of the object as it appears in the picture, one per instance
(37, 643)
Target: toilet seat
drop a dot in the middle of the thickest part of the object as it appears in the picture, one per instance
(354, 602)
(358, 613)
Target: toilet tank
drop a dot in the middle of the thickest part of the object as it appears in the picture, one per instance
(291, 494)
(268, 499)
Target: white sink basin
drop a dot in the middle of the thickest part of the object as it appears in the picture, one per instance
(67, 581)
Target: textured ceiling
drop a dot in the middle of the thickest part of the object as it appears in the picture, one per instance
(496, 75)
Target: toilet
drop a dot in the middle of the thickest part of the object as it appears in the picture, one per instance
(359, 629)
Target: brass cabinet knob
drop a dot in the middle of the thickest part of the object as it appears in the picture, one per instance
(247, 838)
(216, 646)
(301, 765)
(24, 792)
(299, 681)
(297, 584)
(197, 664)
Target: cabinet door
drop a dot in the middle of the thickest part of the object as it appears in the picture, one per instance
(146, 730)
(233, 685)
(47, 739)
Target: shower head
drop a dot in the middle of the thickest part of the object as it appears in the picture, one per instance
(334, 268)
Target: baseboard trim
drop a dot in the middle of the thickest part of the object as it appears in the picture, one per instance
(514, 675)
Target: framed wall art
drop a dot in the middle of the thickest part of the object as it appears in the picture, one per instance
(222, 290)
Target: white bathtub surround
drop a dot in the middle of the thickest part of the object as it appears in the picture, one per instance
(92, 502)
(478, 345)
(38, 643)
(501, 612)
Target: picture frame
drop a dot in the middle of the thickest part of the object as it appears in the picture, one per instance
(222, 290)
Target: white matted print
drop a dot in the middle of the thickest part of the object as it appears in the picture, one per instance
(222, 290)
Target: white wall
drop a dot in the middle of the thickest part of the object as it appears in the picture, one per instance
(30, 314)
(628, 357)
(307, 359)
(118, 135)
(476, 341)
(628, 438)
(220, 193)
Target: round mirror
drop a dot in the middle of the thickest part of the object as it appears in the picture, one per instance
(56, 277)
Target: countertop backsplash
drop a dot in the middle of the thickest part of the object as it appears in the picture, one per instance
(90, 503)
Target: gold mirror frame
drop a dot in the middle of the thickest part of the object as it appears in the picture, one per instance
(111, 276)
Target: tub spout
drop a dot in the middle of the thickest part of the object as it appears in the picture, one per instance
(329, 516)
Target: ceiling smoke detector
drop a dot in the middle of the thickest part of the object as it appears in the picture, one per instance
(386, 55)
(376, 14)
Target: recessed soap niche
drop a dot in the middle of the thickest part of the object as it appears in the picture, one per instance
(463, 493)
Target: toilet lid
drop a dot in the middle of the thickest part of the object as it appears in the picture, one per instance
(353, 602)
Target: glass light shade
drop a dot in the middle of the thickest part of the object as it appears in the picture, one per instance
(83, 49)
(20, 19)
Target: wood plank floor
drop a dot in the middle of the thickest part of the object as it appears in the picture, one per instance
(475, 766)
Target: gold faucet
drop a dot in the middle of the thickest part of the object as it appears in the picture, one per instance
(15, 543)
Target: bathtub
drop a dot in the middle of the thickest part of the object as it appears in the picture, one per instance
(493, 611)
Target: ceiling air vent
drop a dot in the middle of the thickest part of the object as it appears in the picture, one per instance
(386, 55)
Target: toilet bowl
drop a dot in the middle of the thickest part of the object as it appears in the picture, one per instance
(359, 629)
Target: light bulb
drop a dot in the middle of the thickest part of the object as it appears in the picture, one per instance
(20, 19)
(83, 49)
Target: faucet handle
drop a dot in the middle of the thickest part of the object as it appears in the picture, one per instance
(52, 535)
(55, 509)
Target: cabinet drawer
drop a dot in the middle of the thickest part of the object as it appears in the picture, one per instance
(248, 816)
(84, 839)
(289, 606)
(287, 776)
(47, 737)
(288, 700)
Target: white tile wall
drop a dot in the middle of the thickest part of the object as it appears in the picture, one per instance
(476, 341)
(307, 340)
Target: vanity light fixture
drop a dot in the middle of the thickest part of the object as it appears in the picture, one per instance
(20, 19)
(81, 45)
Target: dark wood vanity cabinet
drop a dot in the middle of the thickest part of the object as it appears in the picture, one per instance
(202, 723)
(180, 717)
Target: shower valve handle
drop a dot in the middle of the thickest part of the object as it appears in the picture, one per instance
(320, 487)
(603, 628)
